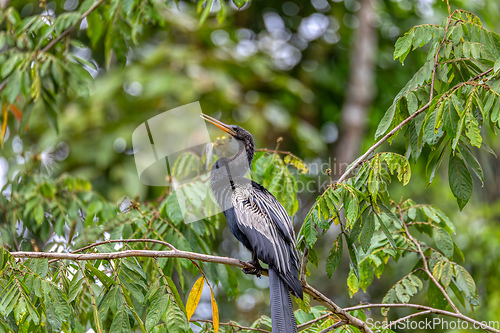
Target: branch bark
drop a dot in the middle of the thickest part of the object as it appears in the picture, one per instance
(426, 308)
(174, 253)
(424, 260)
(362, 158)
(68, 31)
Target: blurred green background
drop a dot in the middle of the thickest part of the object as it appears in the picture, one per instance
(318, 73)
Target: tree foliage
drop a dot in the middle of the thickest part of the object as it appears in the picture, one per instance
(449, 106)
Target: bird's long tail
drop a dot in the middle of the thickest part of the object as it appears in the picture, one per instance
(283, 320)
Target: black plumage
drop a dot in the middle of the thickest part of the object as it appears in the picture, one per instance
(258, 220)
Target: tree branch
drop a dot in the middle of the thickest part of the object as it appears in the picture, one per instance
(360, 160)
(334, 326)
(60, 37)
(424, 260)
(174, 253)
(413, 315)
(343, 315)
(305, 325)
(278, 152)
(239, 327)
(68, 31)
(425, 308)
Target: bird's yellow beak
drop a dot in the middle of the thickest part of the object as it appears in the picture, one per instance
(219, 124)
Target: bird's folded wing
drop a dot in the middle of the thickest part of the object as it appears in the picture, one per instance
(267, 226)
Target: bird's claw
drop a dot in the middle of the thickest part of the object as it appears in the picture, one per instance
(255, 270)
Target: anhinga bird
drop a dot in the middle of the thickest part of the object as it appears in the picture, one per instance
(260, 223)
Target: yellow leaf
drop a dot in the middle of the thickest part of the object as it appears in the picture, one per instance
(215, 311)
(4, 126)
(194, 297)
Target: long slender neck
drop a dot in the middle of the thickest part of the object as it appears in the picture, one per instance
(236, 165)
(227, 174)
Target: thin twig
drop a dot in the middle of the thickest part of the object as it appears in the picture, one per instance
(334, 326)
(424, 307)
(407, 120)
(413, 315)
(231, 324)
(309, 323)
(424, 260)
(312, 292)
(343, 315)
(121, 241)
(381, 141)
(303, 266)
(61, 36)
(68, 31)
(279, 152)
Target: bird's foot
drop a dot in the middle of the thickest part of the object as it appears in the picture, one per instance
(255, 270)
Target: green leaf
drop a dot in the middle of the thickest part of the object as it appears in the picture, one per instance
(450, 119)
(121, 322)
(9, 300)
(176, 319)
(401, 293)
(32, 311)
(172, 209)
(309, 229)
(386, 231)
(460, 180)
(173, 289)
(131, 264)
(446, 274)
(472, 162)
(435, 297)
(39, 214)
(412, 102)
(38, 266)
(351, 208)
(473, 132)
(206, 11)
(457, 293)
(443, 241)
(334, 256)
(106, 301)
(386, 121)
(367, 232)
(134, 290)
(106, 280)
(352, 283)
(95, 27)
(156, 310)
(466, 284)
(11, 62)
(54, 299)
(75, 287)
(13, 86)
(4, 258)
(239, 3)
(457, 34)
(496, 67)
(403, 45)
(353, 256)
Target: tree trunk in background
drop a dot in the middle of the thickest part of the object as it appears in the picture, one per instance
(360, 90)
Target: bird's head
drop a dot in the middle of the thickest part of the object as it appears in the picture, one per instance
(244, 138)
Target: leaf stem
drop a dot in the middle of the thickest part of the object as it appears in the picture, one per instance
(424, 260)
